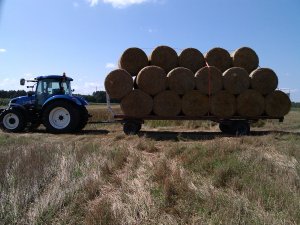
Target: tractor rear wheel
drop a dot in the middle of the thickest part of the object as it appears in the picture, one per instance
(12, 120)
(84, 117)
(61, 117)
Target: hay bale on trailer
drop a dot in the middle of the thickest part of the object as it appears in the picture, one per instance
(194, 103)
(219, 58)
(167, 103)
(192, 59)
(250, 103)
(164, 57)
(118, 83)
(246, 58)
(133, 60)
(277, 104)
(181, 80)
(137, 104)
(209, 80)
(223, 104)
(152, 80)
(236, 80)
(264, 80)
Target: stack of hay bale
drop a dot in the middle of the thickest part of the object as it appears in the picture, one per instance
(192, 84)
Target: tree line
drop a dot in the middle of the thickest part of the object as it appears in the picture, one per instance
(96, 97)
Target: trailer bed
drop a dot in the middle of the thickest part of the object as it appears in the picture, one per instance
(233, 125)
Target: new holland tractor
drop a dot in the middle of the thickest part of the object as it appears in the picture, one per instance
(51, 104)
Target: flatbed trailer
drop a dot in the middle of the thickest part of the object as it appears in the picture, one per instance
(237, 125)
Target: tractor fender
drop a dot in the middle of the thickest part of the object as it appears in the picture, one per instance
(66, 98)
(19, 107)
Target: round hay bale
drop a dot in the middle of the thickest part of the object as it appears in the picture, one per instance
(264, 80)
(246, 58)
(192, 59)
(219, 58)
(277, 104)
(250, 103)
(152, 80)
(118, 83)
(137, 104)
(236, 80)
(209, 80)
(181, 80)
(223, 104)
(133, 60)
(164, 57)
(194, 103)
(167, 103)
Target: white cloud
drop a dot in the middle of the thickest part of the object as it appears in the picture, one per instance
(92, 2)
(2, 50)
(110, 66)
(121, 3)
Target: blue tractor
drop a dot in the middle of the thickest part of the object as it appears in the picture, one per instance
(51, 104)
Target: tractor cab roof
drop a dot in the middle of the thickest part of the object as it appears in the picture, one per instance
(56, 77)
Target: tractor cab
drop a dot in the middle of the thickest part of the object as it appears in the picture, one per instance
(49, 86)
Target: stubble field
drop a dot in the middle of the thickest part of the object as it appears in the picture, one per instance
(171, 173)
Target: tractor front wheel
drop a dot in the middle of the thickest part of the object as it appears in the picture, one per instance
(61, 117)
(12, 120)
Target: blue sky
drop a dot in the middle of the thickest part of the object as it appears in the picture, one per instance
(85, 38)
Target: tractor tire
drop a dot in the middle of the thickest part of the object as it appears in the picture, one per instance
(84, 117)
(61, 117)
(12, 120)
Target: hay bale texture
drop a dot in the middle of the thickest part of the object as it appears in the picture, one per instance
(277, 104)
(118, 83)
(192, 59)
(223, 104)
(133, 60)
(194, 103)
(167, 103)
(152, 80)
(236, 80)
(264, 80)
(164, 57)
(246, 58)
(250, 103)
(209, 80)
(219, 58)
(137, 104)
(181, 80)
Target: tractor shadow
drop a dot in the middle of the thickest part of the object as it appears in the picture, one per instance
(201, 135)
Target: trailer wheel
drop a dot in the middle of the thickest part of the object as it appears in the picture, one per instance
(131, 127)
(225, 128)
(61, 117)
(12, 120)
(241, 128)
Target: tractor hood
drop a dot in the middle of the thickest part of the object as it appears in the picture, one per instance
(22, 100)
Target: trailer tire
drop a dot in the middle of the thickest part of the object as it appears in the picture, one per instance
(61, 117)
(131, 127)
(241, 128)
(225, 128)
(12, 120)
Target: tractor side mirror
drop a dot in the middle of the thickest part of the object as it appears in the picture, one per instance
(22, 82)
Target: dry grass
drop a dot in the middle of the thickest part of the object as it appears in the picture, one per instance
(110, 178)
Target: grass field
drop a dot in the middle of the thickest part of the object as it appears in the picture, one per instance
(171, 173)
